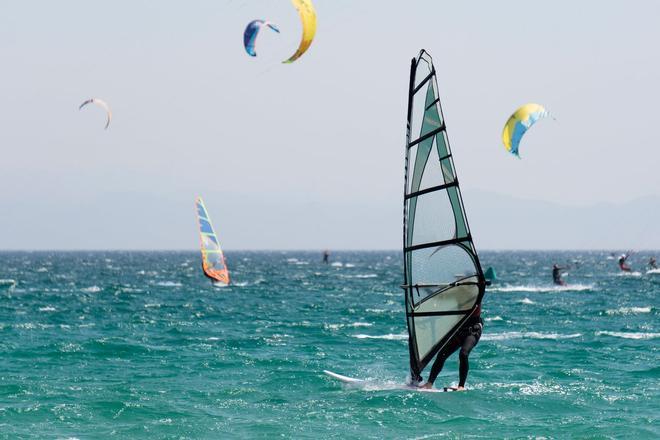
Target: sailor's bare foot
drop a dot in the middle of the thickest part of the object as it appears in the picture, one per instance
(427, 386)
(459, 388)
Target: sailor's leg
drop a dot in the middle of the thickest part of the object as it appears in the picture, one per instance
(464, 364)
(443, 354)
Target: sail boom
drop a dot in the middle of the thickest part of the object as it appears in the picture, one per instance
(441, 313)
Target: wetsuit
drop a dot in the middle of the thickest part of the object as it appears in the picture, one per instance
(466, 338)
(622, 264)
(556, 276)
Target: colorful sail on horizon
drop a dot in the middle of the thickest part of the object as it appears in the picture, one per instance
(443, 279)
(213, 260)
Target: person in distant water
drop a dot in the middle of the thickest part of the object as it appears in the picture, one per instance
(652, 263)
(622, 263)
(326, 256)
(556, 275)
(466, 338)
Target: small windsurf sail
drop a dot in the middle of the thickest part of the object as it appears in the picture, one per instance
(443, 279)
(213, 260)
(490, 274)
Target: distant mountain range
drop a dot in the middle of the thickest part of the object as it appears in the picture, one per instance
(504, 222)
(253, 221)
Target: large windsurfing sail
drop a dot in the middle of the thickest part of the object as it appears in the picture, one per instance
(443, 279)
(213, 260)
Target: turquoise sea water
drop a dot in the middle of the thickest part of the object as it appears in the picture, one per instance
(140, 345)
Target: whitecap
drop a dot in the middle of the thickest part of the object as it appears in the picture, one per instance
(629, 335)
(92, 289)
(495, 318)
(337, 264)
(8, 282)
(629, 310)
(168, 284)
(47, 309)
(528, 335)
(527, 301)
(543, 289)
(389, 337)
(354, 324)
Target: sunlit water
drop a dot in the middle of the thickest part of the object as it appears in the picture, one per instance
(140, 345)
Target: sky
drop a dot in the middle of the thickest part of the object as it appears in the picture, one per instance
(310, 155)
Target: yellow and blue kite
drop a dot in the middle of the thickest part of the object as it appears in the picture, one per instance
(518, 124)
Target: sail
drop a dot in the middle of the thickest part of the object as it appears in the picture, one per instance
(443, 279)
(213, 260)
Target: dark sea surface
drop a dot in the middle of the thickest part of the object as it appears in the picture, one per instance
(141, 345)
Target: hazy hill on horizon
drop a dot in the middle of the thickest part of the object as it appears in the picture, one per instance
(252, 222)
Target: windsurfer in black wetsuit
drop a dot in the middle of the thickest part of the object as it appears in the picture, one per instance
(466, 338)
(556, 275)
(326, 256)
(652, 263)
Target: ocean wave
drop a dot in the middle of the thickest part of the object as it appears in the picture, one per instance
(354, 324)
(368, 275)
(528, 335)
(526, 301)
(543, 289)
(8, 282)
(389, 337)
(91, 289)
(169, 284)
(47, 309)
(495, 318)
(629, 310)
(629, 335)
(629, 274)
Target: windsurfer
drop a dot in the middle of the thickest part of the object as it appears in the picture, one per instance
(466, 338)
(652, 263)
(326, 256)
(622, 263)
(556, 275)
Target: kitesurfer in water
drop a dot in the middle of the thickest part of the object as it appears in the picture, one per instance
(622, 263)
(652, 263)
(466, 338)
(556, 275)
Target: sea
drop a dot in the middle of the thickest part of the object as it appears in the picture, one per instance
(139, 345)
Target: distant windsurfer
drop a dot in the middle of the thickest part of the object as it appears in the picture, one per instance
(622, 263)
(652, 263)
(466, 338)
(556, 275)
(326, 256)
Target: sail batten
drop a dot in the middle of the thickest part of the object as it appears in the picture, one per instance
(443, 279)
(213, 259)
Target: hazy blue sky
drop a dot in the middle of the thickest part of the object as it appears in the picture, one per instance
(310, 155)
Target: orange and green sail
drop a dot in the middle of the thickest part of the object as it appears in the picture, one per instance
(213, 260)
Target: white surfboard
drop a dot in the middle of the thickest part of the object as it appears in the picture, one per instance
(370, 385)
